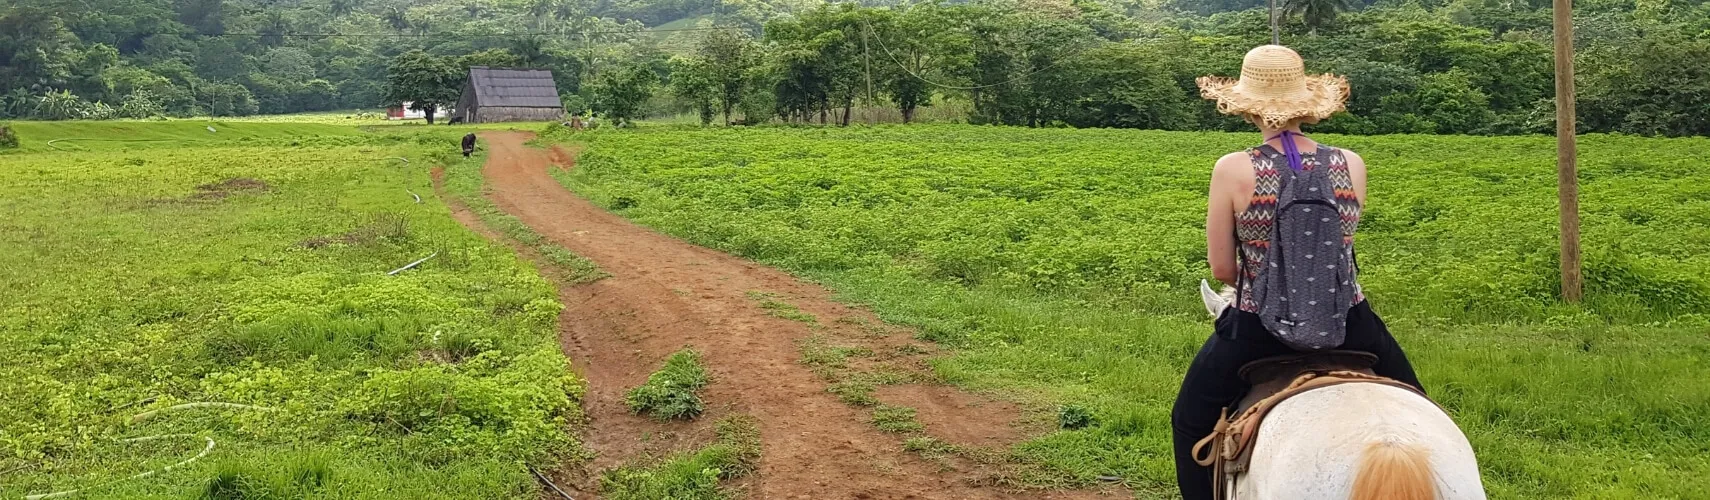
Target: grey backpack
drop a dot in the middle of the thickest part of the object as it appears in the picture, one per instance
(1306, 287)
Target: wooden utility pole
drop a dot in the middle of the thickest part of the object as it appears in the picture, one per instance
(1276, 32)
(1567, 176)
(867, 61)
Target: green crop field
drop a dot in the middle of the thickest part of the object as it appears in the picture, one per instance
(165, 265)
(154, 265)
(1062, 264)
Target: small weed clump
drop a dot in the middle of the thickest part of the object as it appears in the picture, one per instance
(674, 390)
(928, 447)
(1075, 417)
(898, 419)
(693, 475)
(780, 309)
(855, 392)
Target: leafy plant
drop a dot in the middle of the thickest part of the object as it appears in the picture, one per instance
(1074, 417)
(673, 391)
(693, 475)
(1066, 262)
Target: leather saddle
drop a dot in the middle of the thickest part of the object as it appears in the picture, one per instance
(1269, 376)
(1273, 380)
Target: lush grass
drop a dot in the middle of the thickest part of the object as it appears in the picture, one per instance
(694, 475)
(1062, 265)
(129, 135)
(141, 279)
(673, 391)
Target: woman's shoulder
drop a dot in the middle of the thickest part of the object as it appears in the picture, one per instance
(1345, 152)
(1236, 160)
(1349, 157)
(1234, 166)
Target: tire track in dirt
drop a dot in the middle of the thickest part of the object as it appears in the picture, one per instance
(665, 294)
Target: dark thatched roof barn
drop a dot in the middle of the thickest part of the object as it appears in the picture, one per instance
(509, 95)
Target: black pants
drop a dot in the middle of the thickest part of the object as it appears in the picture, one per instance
(1212, 381)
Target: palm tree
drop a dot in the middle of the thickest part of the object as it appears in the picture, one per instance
(395, 16)
(531, 49)
(339, 8)
(540, 8)
(567, 10)
(276, 27)
(1316, 13)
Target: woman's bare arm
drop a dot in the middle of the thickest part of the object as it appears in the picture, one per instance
(1220, 215)
(1357, 174)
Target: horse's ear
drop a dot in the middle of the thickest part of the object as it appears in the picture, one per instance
(1214, 303)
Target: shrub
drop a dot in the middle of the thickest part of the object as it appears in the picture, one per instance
(8, 138)
(673, 391)
(140, 105)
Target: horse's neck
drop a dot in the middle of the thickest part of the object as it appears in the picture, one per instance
(1311, 445)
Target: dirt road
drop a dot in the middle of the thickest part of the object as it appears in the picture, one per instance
(665, 294)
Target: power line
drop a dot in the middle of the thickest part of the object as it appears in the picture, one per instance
(917, 76)
(410, 35)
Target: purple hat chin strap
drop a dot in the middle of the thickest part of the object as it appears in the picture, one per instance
(1289, 149)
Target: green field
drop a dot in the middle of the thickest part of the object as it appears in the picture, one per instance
(1062, 264)
(249, 266)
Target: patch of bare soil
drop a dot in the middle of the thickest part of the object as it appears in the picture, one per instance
(379, 228)
(216, 191)
(561, 157)
(753, 326)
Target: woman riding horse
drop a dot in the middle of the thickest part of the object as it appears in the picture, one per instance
(1275, 94)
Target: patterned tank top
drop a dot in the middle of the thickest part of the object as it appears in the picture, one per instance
(1253, 226)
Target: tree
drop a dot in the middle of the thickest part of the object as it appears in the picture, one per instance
(36, 49)
(203, 16)
(226, 99)
(693, 80)
(819, 56)
(530, 51)
(1125, 85)
(396, 18)
(913, 47)
(492, 58)
(619, 93)
(425, 81)
(1316, 13)
(729, 56)
(341, 8)
(1012, 65)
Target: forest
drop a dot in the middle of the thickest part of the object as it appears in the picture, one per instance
(1416, 66)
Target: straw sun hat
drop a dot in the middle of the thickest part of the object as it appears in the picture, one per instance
(1274, 87)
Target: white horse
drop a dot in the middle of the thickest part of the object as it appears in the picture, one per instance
(1355, 441)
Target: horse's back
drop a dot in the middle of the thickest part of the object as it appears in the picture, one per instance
(1311, 445)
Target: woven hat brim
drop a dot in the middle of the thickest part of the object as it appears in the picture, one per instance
(1325, 95)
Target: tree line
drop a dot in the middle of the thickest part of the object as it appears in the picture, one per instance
(1416, 66)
